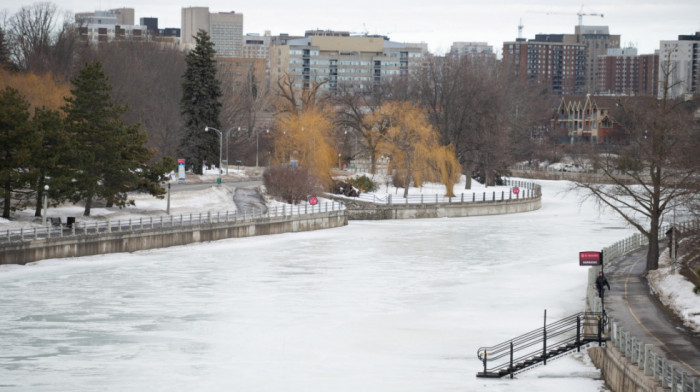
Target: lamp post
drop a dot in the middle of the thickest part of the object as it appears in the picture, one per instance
(46, 204)
(206, 129)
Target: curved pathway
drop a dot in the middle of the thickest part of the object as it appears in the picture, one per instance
(641, 313)
(249, 200)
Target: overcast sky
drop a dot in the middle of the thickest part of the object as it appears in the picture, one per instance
(438, 22)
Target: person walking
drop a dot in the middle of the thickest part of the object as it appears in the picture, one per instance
(600, 283)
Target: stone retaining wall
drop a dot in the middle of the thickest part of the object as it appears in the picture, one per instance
(360, 210)
(22, 252)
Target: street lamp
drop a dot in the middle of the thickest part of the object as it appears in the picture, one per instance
(206, 129)
(46, 204)
(228, 136)
(256, 145)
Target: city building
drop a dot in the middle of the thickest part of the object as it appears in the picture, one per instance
(480, 50)
(224, 28)
(623, 72)
(257, 46)
(587, 120)
(680, 59)
(151, 24)
(548, 61)
(105, 26)
(336, 58)
(597, 40)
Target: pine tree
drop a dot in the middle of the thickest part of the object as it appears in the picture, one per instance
(200, 106)
(51, 151)
(14, 144)
(109, 154)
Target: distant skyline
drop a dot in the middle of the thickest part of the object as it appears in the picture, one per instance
(438, 22)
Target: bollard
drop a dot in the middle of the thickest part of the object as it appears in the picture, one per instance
(131, 228)
(462, 198)
(421, 198)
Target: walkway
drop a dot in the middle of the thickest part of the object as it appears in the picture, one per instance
(631, 302)
(249, 200)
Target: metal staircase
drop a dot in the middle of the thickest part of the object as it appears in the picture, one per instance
(536, 347)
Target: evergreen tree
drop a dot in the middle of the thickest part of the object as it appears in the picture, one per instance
(51, 151)
(14, 145)
(200, 106)
(108, 154)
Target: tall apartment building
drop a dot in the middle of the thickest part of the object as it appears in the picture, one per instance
(623, 72)
(549, 61)
(257, 46)
(224, 28)
(125, 16)
(151, 24)
(681, 59)
(473, 50)
(597, 40)
(337, 58)
(104, 26)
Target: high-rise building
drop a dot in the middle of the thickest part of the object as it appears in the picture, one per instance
(224, 28)
(257, 46)
(480, 50)
(597, 40)
(104, 26)
(680, 59)
(151, 24)
(623, 72)
(125, 16)
(340, 59)
(549, 61)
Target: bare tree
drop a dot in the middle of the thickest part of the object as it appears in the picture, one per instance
(146, 77)
(651, 173)
(361, 114)
(31, 33)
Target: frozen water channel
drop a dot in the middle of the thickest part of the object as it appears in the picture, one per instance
(373, 306)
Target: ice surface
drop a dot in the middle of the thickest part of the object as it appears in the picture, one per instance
(373, 306)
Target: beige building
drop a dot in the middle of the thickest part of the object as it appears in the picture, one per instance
(339, 59)
(224, 28)
(597, 40)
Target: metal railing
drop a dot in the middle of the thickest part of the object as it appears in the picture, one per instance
(653, 364)
(548, 342)
(526, 190)
(163, 222)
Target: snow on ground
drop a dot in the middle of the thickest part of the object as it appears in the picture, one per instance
(372, 306)
(675, 291)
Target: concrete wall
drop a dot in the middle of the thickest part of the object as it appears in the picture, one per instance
(22, 252)
(621, 375)
(359, 210)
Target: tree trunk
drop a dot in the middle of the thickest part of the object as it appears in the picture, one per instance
(373, 161)
(8, 200)
(88, 205)
(653, 249)
(39, 196)
(468, 175)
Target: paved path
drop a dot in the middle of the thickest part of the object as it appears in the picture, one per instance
(250, 201)
(631, 302)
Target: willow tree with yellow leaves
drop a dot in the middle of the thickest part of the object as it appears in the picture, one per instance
(305, 139)
(414, 149)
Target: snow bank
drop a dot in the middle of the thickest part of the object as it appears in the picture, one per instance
(676, 292)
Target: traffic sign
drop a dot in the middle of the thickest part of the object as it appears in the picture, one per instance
(516, 190)
(313, 200)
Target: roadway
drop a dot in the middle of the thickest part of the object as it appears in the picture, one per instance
(642, 314)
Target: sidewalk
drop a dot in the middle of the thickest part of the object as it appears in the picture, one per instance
(630, 302)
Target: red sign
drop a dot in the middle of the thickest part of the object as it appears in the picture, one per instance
(588, 258)
(313, 200)
(516, 190)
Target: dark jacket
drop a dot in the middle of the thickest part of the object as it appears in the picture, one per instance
(600, 282)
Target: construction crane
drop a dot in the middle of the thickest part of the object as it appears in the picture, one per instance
(580, 15)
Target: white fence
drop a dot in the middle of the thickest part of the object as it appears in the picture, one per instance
(162, 222)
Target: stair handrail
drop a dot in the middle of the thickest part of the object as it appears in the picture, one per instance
(541, 342)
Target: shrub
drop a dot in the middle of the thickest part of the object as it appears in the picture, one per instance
(291, 184)
(364, 183)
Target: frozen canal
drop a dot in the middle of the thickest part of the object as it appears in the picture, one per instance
(373, 306)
